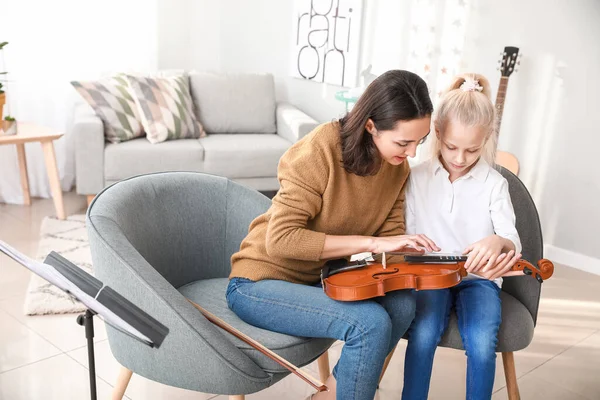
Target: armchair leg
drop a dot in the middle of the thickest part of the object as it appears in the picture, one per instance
(121, 385)
(508, 359)
(385, 364)
(323, 363)
(237, 397)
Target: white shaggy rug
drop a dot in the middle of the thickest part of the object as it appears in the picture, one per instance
(68, 238)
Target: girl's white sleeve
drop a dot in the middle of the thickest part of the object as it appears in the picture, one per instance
(503, 214)
(409, 212)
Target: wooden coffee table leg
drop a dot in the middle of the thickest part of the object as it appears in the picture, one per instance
(54, 179)
(23, 169)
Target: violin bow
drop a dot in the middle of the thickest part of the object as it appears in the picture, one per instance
(315, 383)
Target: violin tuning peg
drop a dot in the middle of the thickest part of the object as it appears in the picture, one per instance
(527, 271)
(539, 279)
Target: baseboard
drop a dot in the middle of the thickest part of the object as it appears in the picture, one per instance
(572, 259)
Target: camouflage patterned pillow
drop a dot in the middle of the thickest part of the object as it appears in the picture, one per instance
(165, 107)
(113, 102)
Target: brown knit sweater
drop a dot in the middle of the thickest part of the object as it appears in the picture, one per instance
(318, 197)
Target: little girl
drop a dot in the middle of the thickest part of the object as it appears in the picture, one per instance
(462, 203)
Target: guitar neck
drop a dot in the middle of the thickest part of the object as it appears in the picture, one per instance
(500, 97)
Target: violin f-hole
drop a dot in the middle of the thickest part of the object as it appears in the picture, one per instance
(390, 272)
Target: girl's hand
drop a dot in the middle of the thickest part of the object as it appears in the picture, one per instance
(504, 263)
(483, 253)
(400, 242)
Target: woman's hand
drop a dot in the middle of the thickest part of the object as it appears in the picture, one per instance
(504, 263)
(400, 242)
(483, 254)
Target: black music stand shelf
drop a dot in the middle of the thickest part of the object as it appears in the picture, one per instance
(99, 299)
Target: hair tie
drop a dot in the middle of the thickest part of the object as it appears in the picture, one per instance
(471, 85)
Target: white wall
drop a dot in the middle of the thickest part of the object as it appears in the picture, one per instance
(174, 39)
(206, 45)
(51, 44)
(189, 34)
(550, 120)
(256, 37)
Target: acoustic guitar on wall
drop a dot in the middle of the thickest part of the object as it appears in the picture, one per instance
(507, 67)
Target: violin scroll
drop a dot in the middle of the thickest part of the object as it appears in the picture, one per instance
(546, 268)
(543, 271)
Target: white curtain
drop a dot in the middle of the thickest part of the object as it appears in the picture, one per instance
(52, 43)
(427, 37)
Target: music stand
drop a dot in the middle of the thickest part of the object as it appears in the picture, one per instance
(99, 299)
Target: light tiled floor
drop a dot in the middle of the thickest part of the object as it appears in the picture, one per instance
(45, 357)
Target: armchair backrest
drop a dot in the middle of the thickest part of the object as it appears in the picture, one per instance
(525, 289)
(186, 225)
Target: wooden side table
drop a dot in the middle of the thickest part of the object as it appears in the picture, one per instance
(26, 133)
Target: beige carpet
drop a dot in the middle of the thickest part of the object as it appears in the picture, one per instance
(68, 238)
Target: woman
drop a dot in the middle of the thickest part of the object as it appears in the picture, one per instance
(341, 193)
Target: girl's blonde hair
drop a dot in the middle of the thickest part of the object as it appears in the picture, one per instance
(467, 101)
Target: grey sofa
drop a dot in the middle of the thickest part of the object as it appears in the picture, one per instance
(248, 131)
(161, 238)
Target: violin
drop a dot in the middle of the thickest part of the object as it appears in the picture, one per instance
(361, 280)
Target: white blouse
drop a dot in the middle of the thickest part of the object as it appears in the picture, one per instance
(457, 214)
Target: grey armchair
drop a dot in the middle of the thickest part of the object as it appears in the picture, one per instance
(161, 238)
(520, 295)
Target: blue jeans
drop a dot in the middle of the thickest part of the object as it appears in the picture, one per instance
(479, 313)
(370, 328)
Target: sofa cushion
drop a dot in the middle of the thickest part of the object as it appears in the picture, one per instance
(165, 107)
(243, 155)
(139, 156)
(113, 102)
(234, 103)
(210, 294)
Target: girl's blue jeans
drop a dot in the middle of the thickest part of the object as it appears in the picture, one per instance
(370, 328)
(478, 308)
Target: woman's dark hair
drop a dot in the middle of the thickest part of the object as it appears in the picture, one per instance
(394, 96)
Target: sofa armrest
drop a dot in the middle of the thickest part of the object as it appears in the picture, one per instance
(293, 124)
(89, 151)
